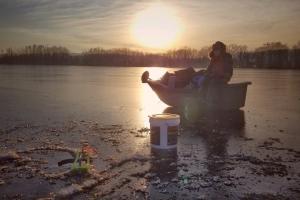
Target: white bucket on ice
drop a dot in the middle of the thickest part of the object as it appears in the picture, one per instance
(164, 130)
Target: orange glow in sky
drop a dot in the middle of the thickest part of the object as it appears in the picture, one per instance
(156, 27)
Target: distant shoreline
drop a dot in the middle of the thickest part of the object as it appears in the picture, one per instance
(269, 56)
(71, 65)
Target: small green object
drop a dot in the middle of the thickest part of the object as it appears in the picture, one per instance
(78, 166)
(185, 181)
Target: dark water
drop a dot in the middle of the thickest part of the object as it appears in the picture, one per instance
(42, 94)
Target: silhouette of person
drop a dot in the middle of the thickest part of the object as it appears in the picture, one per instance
(220, 68)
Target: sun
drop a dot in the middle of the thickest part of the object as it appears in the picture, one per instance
(156, 27)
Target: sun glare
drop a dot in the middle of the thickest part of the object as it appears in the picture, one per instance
(150, 102)
(156, 27)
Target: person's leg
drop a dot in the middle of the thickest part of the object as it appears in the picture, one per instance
(165, 78)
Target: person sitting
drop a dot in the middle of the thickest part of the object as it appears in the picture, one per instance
(220, 68)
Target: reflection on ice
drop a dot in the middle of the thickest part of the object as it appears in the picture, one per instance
(151, 104)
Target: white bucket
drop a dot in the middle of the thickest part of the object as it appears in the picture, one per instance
(164, 130)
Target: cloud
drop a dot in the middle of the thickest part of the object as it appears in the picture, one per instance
(82, 23)
(94, 22)
(239, 21)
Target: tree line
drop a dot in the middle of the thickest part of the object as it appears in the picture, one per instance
(269, 55)
(274, 55)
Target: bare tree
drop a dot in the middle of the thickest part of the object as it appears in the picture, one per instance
(297, 45)
(272, 46)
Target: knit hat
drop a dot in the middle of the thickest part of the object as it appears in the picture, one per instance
(219, 45)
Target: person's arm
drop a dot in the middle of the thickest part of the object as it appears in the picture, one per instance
(208, 70)
(210, 65)
(228, 68)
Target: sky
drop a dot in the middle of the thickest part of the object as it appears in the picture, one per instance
(82, 24)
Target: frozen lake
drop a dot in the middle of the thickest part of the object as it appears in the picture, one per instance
(107, 95)
(252, 151)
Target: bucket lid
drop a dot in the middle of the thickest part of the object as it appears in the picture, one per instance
(165, 116)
